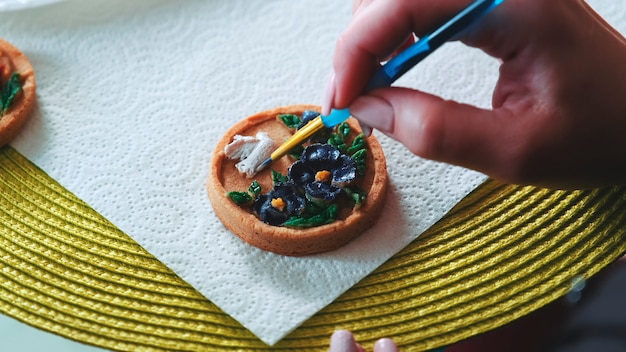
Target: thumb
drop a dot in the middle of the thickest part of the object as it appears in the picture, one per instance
(435, 128)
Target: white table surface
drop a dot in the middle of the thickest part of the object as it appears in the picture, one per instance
(19, 337)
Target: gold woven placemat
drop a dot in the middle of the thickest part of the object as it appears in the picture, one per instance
(501, 253)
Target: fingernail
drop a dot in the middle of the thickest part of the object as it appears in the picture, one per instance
(329, 94)
(374, 112)
(342, 341)
(385, 345)
(367, 130)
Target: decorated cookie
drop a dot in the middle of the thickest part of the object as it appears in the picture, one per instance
(316, 199)
(17, 91)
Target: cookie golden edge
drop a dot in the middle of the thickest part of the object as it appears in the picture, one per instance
(290, 241)
(19, 112)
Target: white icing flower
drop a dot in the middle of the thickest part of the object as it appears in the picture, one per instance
(251, 151)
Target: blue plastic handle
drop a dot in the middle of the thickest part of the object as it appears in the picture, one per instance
(427, 44)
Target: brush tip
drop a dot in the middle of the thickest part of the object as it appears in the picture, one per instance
(264, 164)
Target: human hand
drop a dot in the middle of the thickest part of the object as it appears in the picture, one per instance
(558, 116)
(343, 341)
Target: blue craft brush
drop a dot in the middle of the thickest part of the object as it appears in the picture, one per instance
(391, 71)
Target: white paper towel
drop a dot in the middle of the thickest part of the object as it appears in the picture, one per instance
(133, 96)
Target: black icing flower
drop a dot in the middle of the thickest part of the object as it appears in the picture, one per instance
(320, 136)
(322, 171)
(307, 116)
(282, 202)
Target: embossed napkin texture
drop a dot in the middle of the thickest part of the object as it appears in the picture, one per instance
(133, 96)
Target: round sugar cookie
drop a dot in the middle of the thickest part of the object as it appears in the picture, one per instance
(14, 61)
(245, 223)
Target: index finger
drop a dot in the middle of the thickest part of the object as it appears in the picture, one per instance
(375, 32)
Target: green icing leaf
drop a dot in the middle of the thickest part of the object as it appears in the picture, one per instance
(255, 188)
(9, 92)
(290, 120)
(312, 208)
(239, 198)
(277, 177)
(359, 159)
(357, 195)
(336, 141)
(343, 130)
(327, 216)
(296, 152)
(357, 144)
(338, 138)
